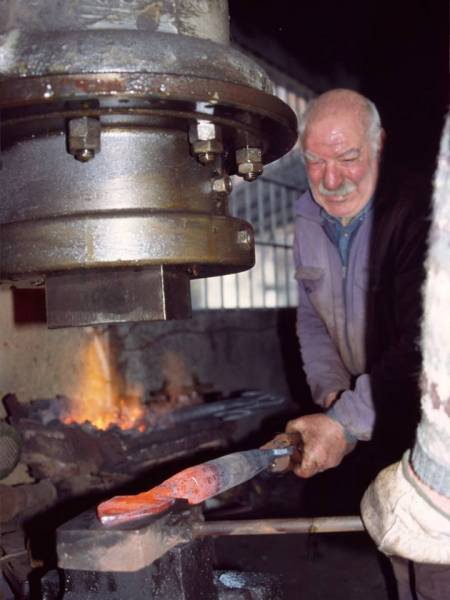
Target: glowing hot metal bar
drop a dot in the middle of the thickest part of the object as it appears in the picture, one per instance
(194, 484)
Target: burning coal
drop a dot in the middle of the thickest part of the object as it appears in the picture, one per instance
(104, 398)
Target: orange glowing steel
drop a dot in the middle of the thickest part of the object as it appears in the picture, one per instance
(195, 484)
(102, 396)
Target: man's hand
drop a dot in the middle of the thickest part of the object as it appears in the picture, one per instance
(324, 441)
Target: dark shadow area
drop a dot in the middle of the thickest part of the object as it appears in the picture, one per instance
(291, 359)
(310, 567)
(396, 53)
(394, 307)
(29, 306)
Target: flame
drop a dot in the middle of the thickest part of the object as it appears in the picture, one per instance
(102, 396)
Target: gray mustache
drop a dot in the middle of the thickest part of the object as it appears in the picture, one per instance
(343, 190)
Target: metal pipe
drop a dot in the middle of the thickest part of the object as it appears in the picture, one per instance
(206, 19)
(276, 526)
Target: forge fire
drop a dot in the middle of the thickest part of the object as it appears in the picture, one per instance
(102, 397)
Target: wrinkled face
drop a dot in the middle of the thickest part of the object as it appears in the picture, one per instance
(340, 163)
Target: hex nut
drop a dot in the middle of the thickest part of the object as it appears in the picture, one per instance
(84, 138)
(204, 130)
(244, 237)
(206, 141)
(222, 185)
(207, 147)
(249, 163)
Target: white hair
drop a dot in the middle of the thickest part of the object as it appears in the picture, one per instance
(373, 117)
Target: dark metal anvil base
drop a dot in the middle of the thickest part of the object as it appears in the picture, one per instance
(183, 573)
(154, 559)
(84, 544)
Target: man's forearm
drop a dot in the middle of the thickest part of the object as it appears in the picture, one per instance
(355, 410)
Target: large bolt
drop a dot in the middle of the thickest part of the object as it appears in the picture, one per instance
(206, 141)
(222, 185)
(84, 138)
(249, 163)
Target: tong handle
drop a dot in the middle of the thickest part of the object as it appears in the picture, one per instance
(294, 442)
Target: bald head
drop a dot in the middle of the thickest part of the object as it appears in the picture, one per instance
(340, 134)
(342, 103)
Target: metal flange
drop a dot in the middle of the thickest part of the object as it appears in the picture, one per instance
(157, 123)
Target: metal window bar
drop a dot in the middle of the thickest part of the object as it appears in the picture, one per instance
(284, 201)
(272, 191)
(236, 276)
(262, 235)
(248, 210)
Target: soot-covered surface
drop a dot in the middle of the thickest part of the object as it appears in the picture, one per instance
(316, 567)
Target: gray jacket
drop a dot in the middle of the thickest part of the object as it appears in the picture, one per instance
(332, 317)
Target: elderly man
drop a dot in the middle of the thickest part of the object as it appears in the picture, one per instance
(359, 252)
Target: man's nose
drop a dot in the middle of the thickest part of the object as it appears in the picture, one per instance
(332, 178)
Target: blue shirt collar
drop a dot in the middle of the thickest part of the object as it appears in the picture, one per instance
(353, 223)
(342, 235)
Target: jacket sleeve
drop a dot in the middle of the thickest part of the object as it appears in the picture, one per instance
(355, 409)
(322, 364)
(387, 392)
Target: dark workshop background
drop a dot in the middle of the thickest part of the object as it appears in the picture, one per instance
(395, 52)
